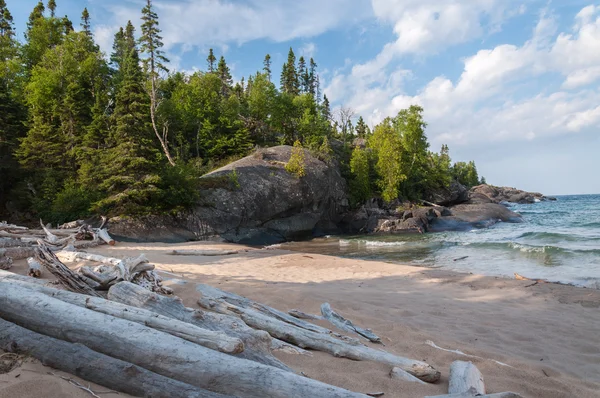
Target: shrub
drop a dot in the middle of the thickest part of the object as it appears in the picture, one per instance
(297, 165)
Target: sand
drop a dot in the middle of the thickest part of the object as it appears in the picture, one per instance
(546, 336)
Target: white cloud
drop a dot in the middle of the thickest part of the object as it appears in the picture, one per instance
(202, 23)
(481, 106)
(308, 50)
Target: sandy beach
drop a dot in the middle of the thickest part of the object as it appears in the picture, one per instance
(539, 341)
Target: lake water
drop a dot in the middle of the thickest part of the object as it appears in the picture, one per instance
(559, 241)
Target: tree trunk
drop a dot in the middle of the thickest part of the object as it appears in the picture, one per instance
(257, 343)
(473, 394)
(17, 253)
(399, 374)
(90, 365)
(156, 351)
(214, 340)
(464, 376)
(319, 341)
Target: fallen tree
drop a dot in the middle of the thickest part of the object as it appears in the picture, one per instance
(257, 343)
(90, 365)
(213, 299)
(156, 351)
(347, 325)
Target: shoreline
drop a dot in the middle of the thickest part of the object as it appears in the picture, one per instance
(545, 333)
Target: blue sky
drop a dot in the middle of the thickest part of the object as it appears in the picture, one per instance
(513, 85)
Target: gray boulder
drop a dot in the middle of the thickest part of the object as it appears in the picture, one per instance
(455, 194)
(481, 193)
(468, 216)
(255, 201)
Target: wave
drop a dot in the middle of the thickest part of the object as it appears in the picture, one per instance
(524, 248)
(371, 243)
(590, 225)
(557, 237)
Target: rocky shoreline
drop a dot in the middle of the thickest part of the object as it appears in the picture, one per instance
(256, 201)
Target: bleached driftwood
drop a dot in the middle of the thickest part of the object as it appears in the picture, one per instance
(103, 234)
(399, 374)
(90, 365)
(303, 315)
(473, 393)
(5, 225)
(278, 345)
(68, 278)
(12, 242)
(5, 263)
(17, 253)
(243, 302)
(257, 343)
(114, 270)
(156, 351)
(35, 268)
(203, 252)
(347, 325)
(319, 341)
(464, 376)
(211, 339)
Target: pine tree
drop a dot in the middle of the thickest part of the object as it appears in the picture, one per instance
(37, 13)
(85, 22)
(225, 76)
(303, 75)
(267, 66)
(68, 25)
(52, 8)
(362, 130)
(326, 109)
(151, 44)
(211, 60)
(289, 76)
(313, 80)
(128, 174)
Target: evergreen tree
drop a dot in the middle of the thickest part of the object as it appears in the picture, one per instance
(289, 76)
(313, 80)
(326, 108)
(42, 34)
(362, 130)
(85, 22)
(267, 66)
(52, 8)
(151, 44)
(225, 76)
(303, 76)
(129, 174)
(211, 60)
(68, 25)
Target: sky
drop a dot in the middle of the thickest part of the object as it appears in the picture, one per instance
(513, 85)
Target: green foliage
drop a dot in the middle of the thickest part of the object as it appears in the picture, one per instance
(79, 135)
(387, 147)
(360, 185)
(466, 174)
(297, 164)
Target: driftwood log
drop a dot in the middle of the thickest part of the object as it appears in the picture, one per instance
(305, 338)
(71, 280)
(257, 343)
(344, 324)
(473, 394)
(399, 374)
(156, 351)
(464, 377)
(303, 315)
(35, 268)
(90, 365)
(203, 252)
(214, 340)
(17, 253)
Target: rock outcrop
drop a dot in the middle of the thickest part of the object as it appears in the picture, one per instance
(455, 194)
(254, 201)
(491, 194)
